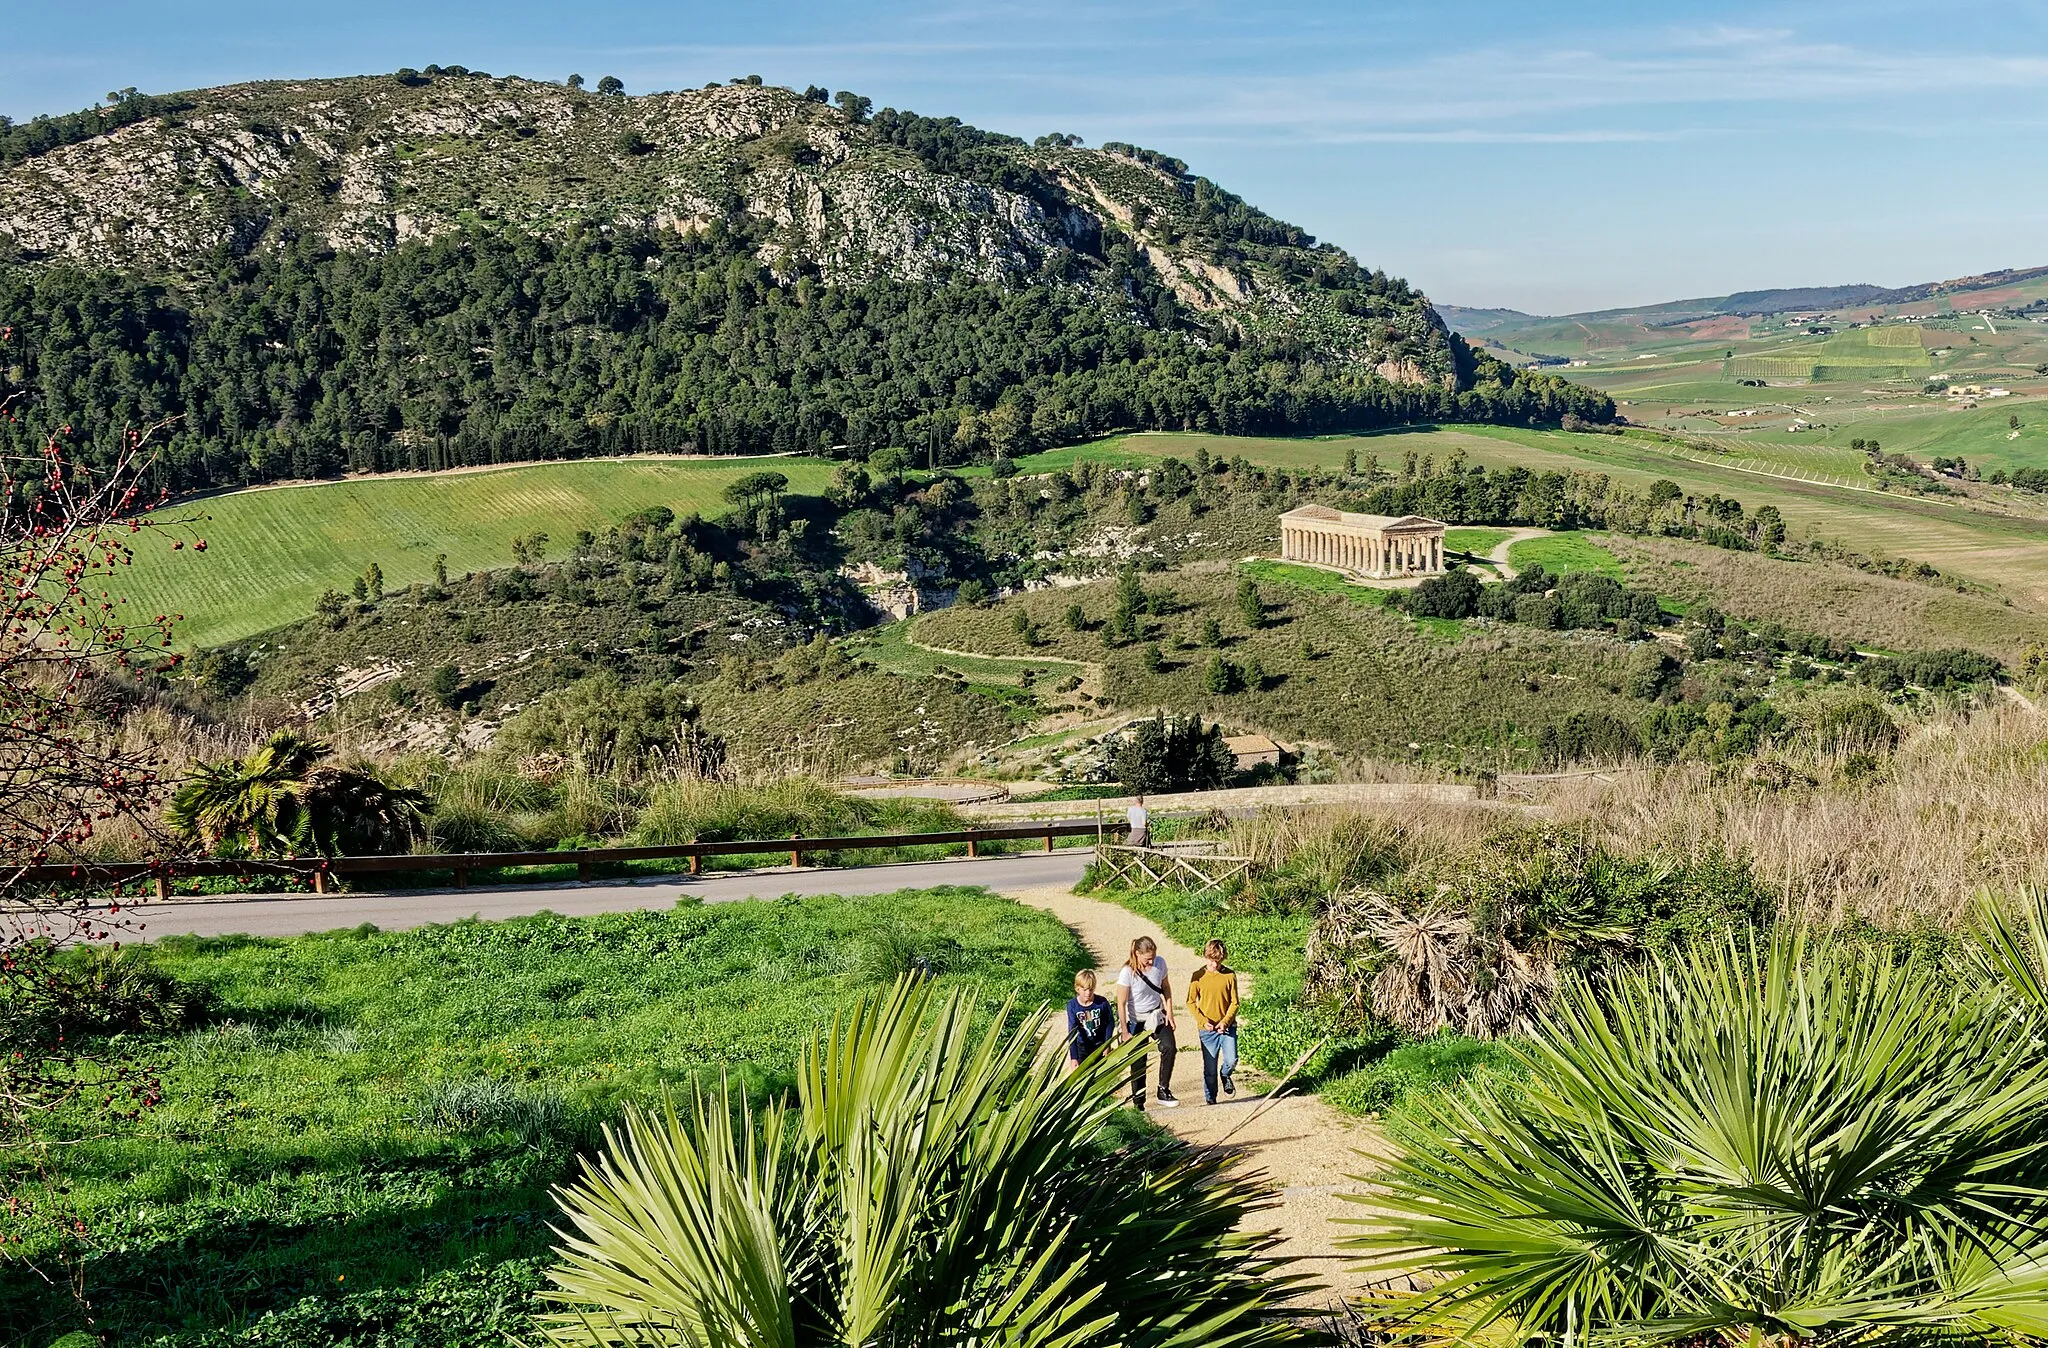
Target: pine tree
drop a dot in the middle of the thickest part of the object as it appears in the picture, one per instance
(1251, 604)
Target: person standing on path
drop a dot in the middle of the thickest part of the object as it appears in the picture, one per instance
(1141, 825)
(1212, 1001)
(1144, 1002)
(1090, 1021)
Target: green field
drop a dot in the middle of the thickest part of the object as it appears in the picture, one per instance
(1560, 553)
(270, 552)
(360, 1128)
(890, 649)
(1479, 542)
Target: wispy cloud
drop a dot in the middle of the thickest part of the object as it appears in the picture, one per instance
(1534, 95)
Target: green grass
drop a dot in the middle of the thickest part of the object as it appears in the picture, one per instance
(271, 552)
(1313, 579)
(1476, 541)
(1560, 553)
(296, 1185)
(889, 647)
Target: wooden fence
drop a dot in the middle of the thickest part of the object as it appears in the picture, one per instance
(319, 870)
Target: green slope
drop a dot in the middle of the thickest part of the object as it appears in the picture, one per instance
(270, 552)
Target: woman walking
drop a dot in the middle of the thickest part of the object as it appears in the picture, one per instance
(1212, 1001)
(1144, 1003)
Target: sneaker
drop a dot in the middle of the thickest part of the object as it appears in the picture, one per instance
(1229, 1088)
(1208, 1099)
(1166, 1099)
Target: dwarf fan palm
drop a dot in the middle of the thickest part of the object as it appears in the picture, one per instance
(1791, 1143)
(257, 800)
(280, 798)
(933, 1184)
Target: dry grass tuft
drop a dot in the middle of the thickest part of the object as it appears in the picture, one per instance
(1962, 804)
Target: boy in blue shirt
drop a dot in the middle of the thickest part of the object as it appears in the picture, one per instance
(1091, 1020)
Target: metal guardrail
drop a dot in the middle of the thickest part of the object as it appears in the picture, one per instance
(320, 869)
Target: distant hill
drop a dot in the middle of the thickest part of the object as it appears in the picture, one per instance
(1991, 288)
(442, 267)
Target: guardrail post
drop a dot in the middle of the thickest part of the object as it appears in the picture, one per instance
(163, 887)
(1048, 840)
(461, 877)
(796, 856)
(582, 872)
(696, 863)
(973, 847)
(320, 880)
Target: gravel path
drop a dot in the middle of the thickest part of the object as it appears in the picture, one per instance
(294, 915)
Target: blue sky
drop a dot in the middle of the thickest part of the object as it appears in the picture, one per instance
(1551, 157)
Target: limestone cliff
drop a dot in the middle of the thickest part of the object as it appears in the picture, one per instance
(367, 163)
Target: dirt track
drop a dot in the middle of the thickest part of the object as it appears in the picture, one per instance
(1307, 1150)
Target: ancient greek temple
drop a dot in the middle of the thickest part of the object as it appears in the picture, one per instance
(1368, 545)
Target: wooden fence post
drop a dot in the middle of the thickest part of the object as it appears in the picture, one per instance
(973, 847)
(1048, 840)
(796, 856)
(696, 863)
(320, 880)
(582, 872)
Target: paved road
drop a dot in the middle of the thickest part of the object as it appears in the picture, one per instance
(298, 914)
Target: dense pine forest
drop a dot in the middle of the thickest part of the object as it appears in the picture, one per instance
(492, 347)
(444, 268)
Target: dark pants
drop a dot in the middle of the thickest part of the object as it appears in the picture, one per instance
(1163, 1036)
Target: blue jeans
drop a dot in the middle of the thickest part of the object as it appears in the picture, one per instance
(1219, 1059)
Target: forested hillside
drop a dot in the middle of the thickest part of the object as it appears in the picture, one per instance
(443, 268)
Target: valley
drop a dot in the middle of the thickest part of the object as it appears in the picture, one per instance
(444, 503)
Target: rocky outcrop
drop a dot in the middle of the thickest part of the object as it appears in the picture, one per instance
(371, 163)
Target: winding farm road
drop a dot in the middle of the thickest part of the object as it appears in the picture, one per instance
(295, 915)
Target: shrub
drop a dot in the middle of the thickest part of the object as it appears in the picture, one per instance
(445, 683)
(1414, 1069)
(1455, 594)
(608, 727)
(1588, 736)
(705, 811)
(1855, 725)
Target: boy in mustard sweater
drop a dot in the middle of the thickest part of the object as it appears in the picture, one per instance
(1212, 1001)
